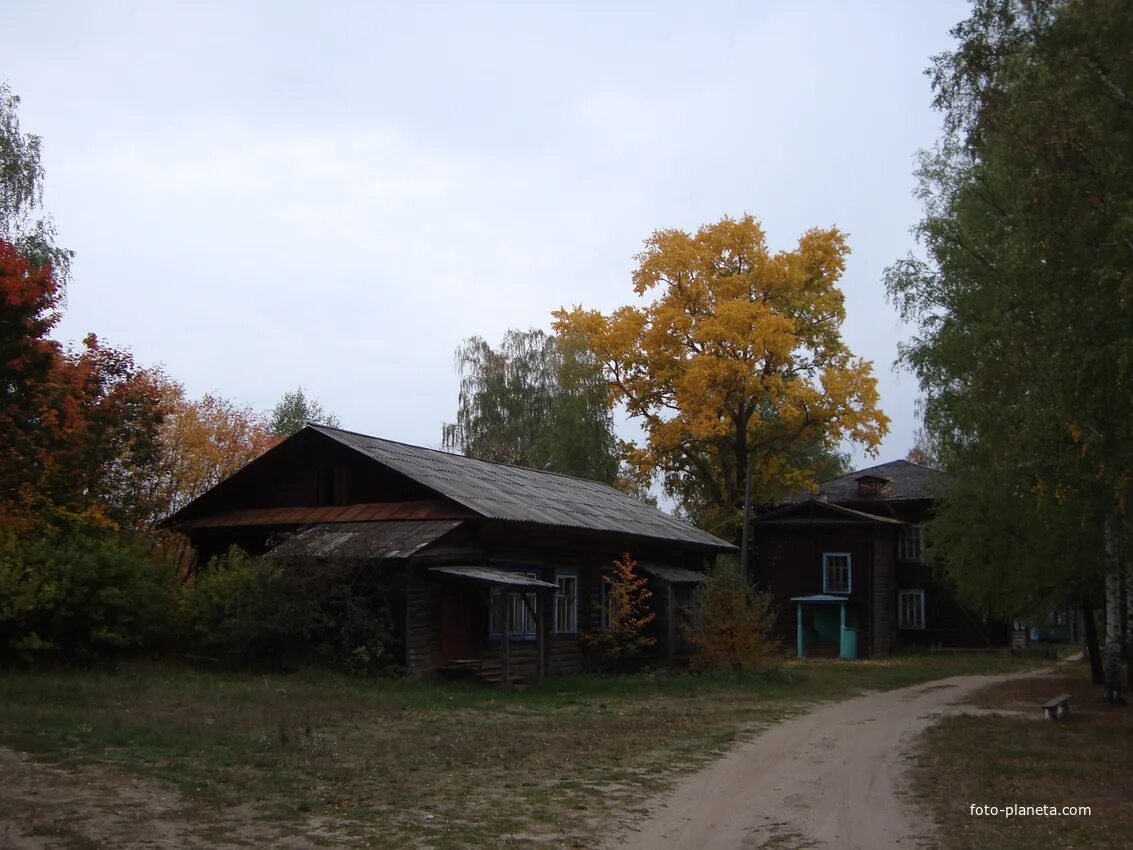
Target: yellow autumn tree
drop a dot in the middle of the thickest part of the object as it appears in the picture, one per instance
(737, 359)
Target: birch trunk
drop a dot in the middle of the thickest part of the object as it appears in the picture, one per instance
(1129, 628)
(1114, 613)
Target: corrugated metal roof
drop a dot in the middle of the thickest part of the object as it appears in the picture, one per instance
(674, 575)
(363, 540)
(366, 512)
(496, 578)
(499, 491)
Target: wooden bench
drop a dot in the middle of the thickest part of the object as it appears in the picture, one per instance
(1057, 708)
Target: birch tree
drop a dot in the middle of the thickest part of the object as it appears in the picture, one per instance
(536, 402)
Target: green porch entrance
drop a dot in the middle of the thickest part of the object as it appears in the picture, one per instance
(827, 626)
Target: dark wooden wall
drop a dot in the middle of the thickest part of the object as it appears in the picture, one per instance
(788, 562)
(540, 550)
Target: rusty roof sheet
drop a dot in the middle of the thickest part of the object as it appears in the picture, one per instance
(366, 512)
(392, 539)
(499, 491)
(496, 578)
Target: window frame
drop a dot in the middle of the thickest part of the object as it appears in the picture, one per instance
(912, 593)
(909, 534)
(827, 557)
(604, 600)
(515, 602)
(572, 604)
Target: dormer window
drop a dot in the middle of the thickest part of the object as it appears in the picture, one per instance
(871, 485)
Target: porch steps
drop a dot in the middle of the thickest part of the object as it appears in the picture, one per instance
(824, 650)
(488, 672)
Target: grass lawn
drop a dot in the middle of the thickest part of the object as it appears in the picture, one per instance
(1019, 758)
(313, 758)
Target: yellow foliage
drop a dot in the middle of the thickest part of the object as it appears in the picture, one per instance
(738, 357)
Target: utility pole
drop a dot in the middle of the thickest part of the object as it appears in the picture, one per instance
(745, 544)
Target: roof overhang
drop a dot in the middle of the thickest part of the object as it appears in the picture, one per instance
(367, 512)
(817, 511)
(673, 575)
(822, 599)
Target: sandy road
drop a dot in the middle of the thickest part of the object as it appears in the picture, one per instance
(828, 779)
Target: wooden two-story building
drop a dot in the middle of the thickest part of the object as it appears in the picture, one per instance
(493, 569)
(847, 568)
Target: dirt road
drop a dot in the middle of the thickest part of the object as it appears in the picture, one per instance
(829, 779)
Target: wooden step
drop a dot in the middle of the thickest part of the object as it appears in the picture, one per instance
(489, 671)
(824, 650)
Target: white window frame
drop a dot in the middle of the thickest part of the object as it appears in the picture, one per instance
(567, 601)
(911, 537)
(827, 562)
(918, 607)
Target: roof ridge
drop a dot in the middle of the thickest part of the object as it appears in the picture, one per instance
(859, 472)
(470, 457)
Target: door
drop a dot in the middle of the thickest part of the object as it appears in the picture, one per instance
(458, 622)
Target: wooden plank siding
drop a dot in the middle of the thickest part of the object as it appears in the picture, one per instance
(789, 563)
(564, 653)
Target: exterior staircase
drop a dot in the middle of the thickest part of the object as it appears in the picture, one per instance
(486, 671)
(824, 650)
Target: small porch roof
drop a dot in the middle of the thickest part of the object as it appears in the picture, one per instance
(673, 575)
(494, 578)
(822, 599)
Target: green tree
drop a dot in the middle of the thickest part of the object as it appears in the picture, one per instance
(295, 410)
(534, 402)
(1024, 348)
(78, 593)
(21, 193)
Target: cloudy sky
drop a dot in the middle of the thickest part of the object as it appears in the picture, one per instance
(332, 194)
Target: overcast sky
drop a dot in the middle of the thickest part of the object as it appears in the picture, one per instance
(331, 194)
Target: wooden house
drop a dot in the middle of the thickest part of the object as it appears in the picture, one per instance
(847, 568)
(494, 570)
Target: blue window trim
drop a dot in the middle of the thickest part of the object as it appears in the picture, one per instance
(849, 573)
(571, 572)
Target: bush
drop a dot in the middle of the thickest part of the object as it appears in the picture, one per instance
(78, 594)
(626, 616)
(736, 623)
(286, 613)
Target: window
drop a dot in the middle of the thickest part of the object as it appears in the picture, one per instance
(836, 572)
(605, 602)
(566, 603)
(522, 619)
(910, 609)
(910, 544)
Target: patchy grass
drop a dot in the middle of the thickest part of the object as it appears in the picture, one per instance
(1015, 757)
(383, 763)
